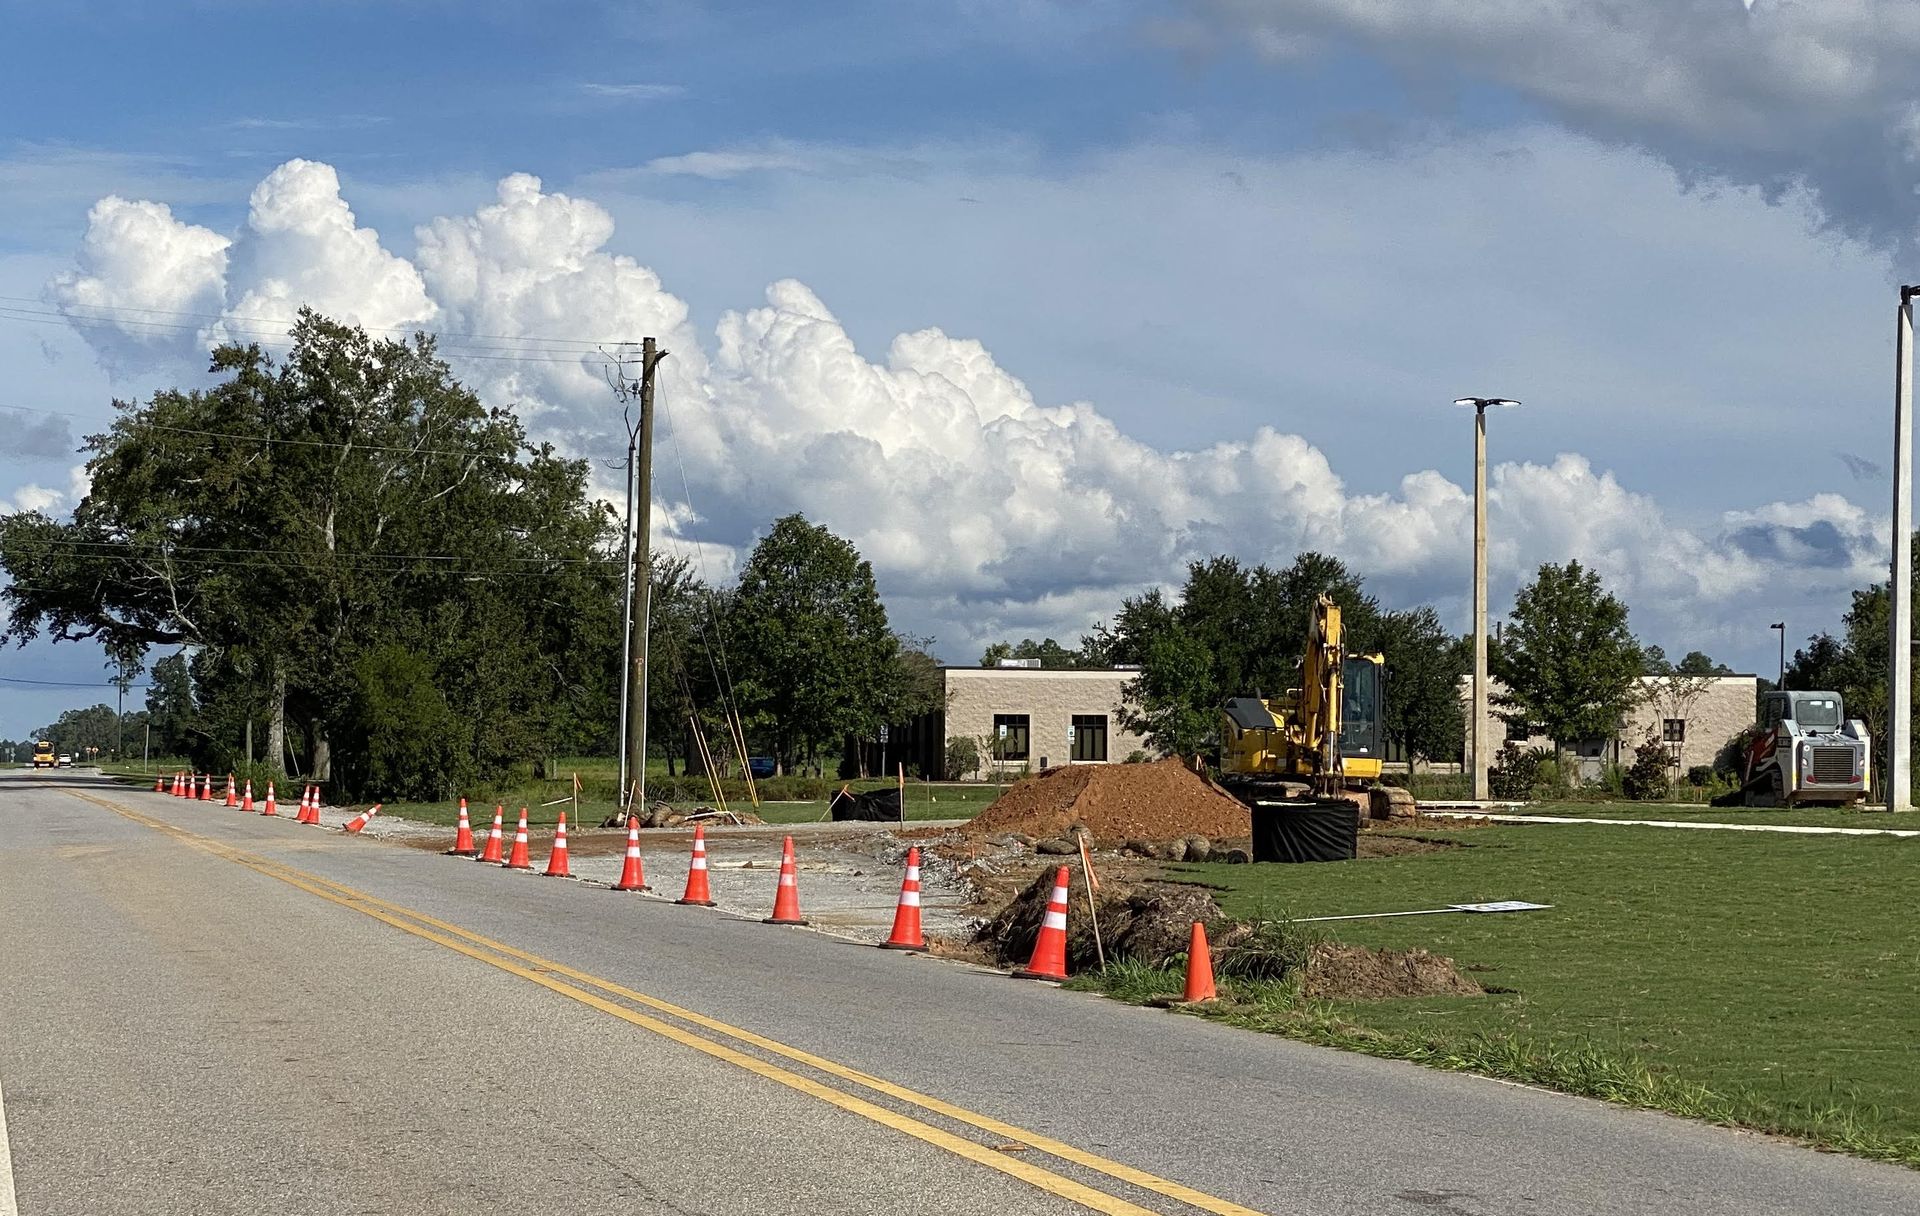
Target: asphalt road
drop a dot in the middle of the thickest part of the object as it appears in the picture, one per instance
(208, 1012)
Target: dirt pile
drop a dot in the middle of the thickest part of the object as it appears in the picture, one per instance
(1164, 800)
(1148, 922)
(1337, 971)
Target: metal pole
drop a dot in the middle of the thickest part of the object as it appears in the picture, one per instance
(643, 584)
(1480, 757)
(1900, 587)
(626, 621)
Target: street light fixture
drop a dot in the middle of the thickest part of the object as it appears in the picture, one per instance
(1480, 754)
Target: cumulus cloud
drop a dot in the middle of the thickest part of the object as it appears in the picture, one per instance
(984, 509)
(140, 270)
(1769, 93)
(302, 246)
(47, 499)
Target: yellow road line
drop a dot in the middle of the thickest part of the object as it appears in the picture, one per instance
(537, 969)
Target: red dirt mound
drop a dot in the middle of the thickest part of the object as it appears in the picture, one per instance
(1164, 800)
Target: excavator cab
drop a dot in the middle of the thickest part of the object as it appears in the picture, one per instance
(1363, 693)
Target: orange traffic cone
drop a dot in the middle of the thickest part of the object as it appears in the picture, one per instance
(313, 806)
(206, 787)
(493, 851)
(557, 862)
(786, 900)
(698, 892)
(308, 812)
(632, 877)
(517, 858)
(246, 799)
(359, 822)
(463, 839)
(1199, 967)
(1049, 960)
(159, 784)
(906, 917)
(232, 799)
(174, 789)
(269, 807)
(179, 785)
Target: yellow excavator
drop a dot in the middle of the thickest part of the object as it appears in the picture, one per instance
(1325, 733)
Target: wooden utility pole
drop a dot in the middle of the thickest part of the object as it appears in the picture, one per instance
(636, 741)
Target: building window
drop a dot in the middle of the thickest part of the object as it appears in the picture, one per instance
(1010, 737)
(1090, 737)
(1674, 730)
(1517, 731)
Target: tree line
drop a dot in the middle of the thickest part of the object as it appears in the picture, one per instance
(341, 564)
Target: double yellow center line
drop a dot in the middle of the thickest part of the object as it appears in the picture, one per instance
(592, 991)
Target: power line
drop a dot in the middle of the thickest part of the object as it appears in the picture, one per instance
(41, 306)
(271, 439)
(66, 683)
(169, 549)
(279, 338)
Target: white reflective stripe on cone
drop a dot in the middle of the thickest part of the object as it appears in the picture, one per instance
(911, 899)
(699, 862)
(913, 873)
(1055, 920)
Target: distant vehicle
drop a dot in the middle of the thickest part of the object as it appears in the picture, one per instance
(43, 754)
(1804, 751)
(760, 766)
(66, 760)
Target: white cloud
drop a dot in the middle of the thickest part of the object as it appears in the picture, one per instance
(140, 270)
(302, 246)
(984, 508)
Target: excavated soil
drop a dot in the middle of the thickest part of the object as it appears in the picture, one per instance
(1150, 922)
(1163, 800)
(1337, 971)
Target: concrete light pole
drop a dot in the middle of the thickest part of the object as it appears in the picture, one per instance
(1900, 586)
(1482, 754)
(1781, 626)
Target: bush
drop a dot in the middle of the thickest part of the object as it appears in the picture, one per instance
(963, 757)
(1515, 773)
(1646, 780)
(1136, 756)
(1700, 776)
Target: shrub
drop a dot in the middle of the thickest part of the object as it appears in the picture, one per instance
(1647, 779)
(1514, 774)
(963, 757)
(1136, 756)
(1700, 776)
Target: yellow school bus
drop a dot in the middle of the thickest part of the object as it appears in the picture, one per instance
(43, 754)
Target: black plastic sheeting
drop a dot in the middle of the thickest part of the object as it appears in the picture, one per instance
(881, 805)
(1306, 833)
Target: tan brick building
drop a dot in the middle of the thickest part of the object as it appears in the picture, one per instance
(1024, 718)
(1696, 717)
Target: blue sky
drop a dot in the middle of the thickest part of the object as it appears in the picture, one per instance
(1186, 220)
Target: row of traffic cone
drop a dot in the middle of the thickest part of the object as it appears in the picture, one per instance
(906, 933)
(239, 796)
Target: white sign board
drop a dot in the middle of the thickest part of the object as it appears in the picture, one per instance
(1500, 905)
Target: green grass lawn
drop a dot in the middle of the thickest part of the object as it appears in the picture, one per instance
(1828, 817)
(1769, 981)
